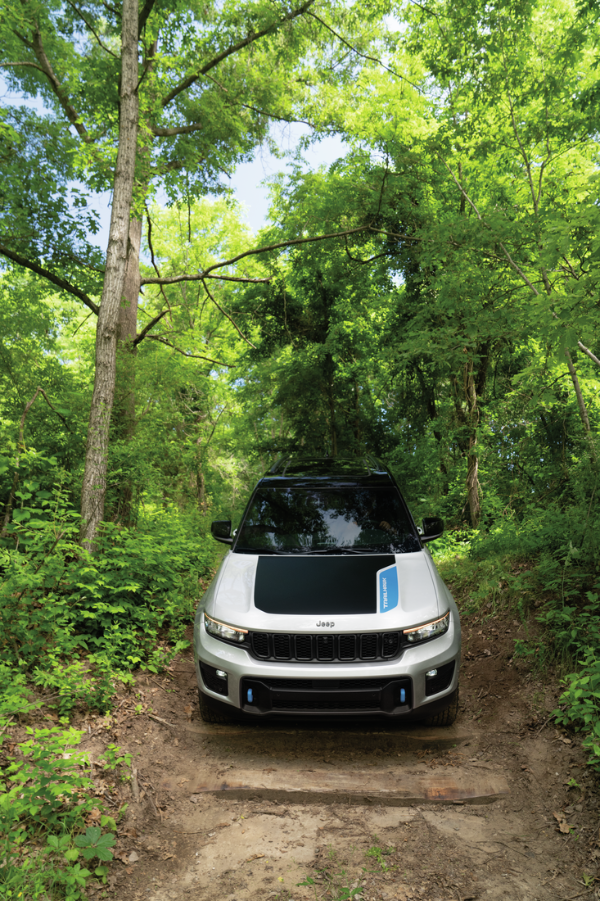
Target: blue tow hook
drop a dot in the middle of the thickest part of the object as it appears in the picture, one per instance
(402, 695)
(250, 696)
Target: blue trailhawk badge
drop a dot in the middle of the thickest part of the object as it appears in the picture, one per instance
(387, 589)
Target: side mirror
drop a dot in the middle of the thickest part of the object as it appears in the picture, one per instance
(433, 527)
(221, 530)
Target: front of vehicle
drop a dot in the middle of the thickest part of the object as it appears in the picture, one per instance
(328, 603)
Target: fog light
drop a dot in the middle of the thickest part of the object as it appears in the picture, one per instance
(431, 673)
(223, 675)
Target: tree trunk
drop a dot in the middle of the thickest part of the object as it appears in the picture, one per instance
(124, 408)
(126, 333)
(96, 456)
(473, 487)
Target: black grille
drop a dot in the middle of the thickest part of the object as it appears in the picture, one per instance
(303, 647)
(368, 647)
(339, 703)
(318, 696)
(325, 647)
(325, 684)
(260, 644)
(347, 647)
(282, 647)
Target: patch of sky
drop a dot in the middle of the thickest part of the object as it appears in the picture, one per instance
(249, 182)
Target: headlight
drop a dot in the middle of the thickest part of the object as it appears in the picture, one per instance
(226, 633)
(429, 630)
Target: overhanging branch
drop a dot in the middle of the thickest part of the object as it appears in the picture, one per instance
(144, 333)
(186, 354)
(234, 48)
(61, 283)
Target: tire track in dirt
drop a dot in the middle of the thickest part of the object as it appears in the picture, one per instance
(177, 842)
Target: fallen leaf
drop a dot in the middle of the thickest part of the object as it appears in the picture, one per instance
(254, 857)
(133, 857)
(563, 826)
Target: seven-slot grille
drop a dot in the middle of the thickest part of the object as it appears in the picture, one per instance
(325, 648)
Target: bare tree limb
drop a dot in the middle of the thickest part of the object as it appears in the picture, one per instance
(61, 283)
(242, 278)
(372, 59)
(156, 269)
(23, 63)
(294, 242)
(161, 132)
(234, 48)
(186, 354)
(263, 112)
(144, 333)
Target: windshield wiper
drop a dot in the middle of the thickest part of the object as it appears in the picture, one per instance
(258, 550)
(336, 549)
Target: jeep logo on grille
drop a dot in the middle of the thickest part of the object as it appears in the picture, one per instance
(326, 625)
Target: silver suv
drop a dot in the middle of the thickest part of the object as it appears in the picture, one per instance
(328, 603)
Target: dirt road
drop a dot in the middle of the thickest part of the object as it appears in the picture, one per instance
(499, 806)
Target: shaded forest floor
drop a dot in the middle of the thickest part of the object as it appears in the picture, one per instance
(537, 841)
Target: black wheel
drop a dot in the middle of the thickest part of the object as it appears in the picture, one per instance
(447, 716)
(207, 713)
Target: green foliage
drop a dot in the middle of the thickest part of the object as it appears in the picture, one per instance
(113, 758)
(95, 844)
(43, 793)
(379, 854)
(125, 607)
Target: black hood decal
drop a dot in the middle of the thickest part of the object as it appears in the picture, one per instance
(320, 586)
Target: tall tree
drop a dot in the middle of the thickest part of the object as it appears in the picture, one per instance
(141, 97)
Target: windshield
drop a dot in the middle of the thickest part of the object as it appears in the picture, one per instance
(329, 520)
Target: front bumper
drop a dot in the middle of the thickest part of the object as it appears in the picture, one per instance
(394, 688)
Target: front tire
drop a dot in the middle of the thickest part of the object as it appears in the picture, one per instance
(447, 716)
(207, 713)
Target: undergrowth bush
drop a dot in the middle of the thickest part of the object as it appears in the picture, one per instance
(92, 619)
(45, 798)
(548, 564)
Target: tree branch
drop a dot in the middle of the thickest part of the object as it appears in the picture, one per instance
(147, 9)
(69, 109)
(144, 333)
(263, 112)
(241, 278)
(23, 63)
(372, 59)
(186, 354)
(292, 243)
(234, 324)
(177, 130)
(92, 29)
(234, 48)
(200, 276)
(61, 283)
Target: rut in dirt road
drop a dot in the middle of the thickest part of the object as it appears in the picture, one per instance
(500, 806)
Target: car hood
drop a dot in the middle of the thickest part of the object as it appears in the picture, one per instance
(292, 593)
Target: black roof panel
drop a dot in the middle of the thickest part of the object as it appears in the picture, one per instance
(322, 470)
